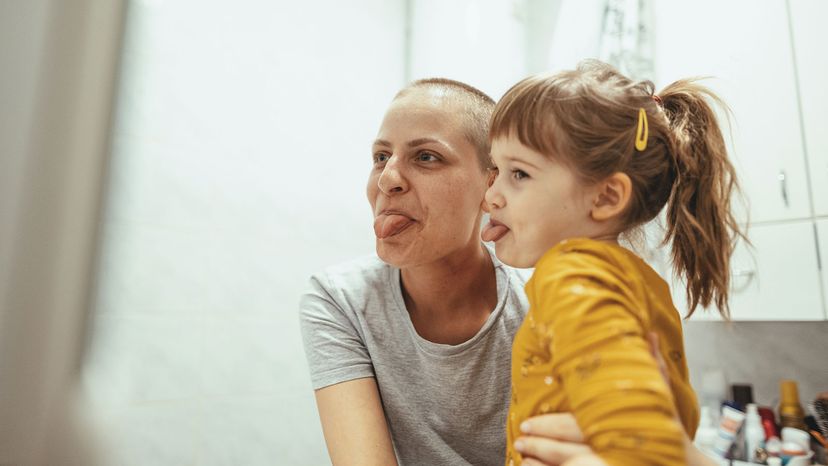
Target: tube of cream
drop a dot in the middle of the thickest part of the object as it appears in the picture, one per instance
(731, 422)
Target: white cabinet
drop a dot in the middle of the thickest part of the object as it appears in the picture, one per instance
(746, 47)
(810, 37)
(822, 239)
(777, 279)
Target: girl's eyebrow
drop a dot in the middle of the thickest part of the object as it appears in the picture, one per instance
(516, 159)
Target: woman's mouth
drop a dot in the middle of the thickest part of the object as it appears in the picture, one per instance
(493, 231)
(388, 224)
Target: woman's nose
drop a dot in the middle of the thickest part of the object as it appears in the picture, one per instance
(392, 181)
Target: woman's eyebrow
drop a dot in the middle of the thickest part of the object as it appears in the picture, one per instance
(412, 143)
(421, 141)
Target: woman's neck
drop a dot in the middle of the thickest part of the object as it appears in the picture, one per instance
(449, 300)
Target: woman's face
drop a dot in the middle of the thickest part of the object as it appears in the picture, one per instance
(426, 185)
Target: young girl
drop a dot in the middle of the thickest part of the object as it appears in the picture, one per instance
(582, 157)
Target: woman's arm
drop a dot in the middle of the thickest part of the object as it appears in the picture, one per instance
(347, 396)
(354, 424)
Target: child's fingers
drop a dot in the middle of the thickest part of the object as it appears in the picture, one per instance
(559, 426)
(548, 451)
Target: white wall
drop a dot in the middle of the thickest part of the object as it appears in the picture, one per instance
(479, 42)
(241, 150)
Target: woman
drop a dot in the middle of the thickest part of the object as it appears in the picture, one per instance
(419, 337)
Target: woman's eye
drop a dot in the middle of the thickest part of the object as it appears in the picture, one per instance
(426, 157)
(519, 174)
(380, 157)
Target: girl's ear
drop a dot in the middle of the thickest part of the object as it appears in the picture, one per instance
(612, 197)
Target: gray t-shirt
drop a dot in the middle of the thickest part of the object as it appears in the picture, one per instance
(445, 404)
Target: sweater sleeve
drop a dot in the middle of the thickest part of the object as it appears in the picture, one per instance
(600, 355)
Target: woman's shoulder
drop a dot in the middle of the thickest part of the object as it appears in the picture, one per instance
(359, 274)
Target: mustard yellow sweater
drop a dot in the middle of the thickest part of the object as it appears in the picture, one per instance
(583, 349)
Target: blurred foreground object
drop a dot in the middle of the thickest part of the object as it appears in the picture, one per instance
(59, 63)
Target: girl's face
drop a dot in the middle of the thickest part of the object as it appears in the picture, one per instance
(535, 203)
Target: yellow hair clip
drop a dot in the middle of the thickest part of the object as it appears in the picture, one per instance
(642, 132)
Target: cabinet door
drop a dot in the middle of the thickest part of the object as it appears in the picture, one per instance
(810, 38)
(746, 47)
(777, 279)
(822, 241)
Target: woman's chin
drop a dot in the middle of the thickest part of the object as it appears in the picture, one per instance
(397, 254)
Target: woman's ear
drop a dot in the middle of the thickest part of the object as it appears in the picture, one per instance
(612, 197)
(491, 174)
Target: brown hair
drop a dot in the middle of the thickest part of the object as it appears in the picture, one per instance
(477, 111)
(587, 119)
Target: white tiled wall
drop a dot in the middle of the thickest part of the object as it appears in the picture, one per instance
(241, 150)
(481, 42)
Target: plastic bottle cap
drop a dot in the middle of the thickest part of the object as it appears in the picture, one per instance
(789, 392)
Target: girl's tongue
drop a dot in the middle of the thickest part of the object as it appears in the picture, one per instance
(493, 231)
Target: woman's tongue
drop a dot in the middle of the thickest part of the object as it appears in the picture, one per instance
(493, 231)
(390, 224)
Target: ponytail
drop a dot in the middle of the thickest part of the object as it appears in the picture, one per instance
(700, 223)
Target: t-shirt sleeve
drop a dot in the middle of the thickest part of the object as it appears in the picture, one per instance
(334, 348)
(602, 359)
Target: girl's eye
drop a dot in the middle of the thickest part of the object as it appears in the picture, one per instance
(519, 174)
(426, 157)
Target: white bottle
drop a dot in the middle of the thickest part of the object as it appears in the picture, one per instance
(754, 433)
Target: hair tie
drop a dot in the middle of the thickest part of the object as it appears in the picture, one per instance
(658, 100)
(642, 132)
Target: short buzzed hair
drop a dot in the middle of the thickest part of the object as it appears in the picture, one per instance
(478, 108)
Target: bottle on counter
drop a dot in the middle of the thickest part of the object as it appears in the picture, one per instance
(773, 445)
(754, 433)
(791, 413)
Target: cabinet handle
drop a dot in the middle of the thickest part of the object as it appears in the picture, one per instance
(748, 274)
(783, 183)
